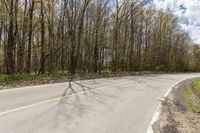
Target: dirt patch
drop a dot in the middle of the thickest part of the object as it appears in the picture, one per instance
(175, 115)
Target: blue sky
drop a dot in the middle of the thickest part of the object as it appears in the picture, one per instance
(188, 12)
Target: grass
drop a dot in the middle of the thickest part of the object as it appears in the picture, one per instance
(197, 83)
(17, 77)
(2, 88)
(191, 98)
(187, 99)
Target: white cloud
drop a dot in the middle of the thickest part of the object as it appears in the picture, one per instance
(188, 11)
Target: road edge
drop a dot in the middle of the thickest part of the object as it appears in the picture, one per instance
(158, 110)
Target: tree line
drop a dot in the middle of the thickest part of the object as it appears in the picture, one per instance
(92, 36)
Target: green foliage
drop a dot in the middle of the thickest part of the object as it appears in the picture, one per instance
(191, 96)
(17, 77)
(188, 101)
(197, 83)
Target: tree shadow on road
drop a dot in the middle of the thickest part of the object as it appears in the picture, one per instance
(72, 90)
(63, 111)
(140, 82)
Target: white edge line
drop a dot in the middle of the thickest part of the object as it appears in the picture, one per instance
(158, 110)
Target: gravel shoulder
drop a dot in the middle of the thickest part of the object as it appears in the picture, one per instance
(177, 115)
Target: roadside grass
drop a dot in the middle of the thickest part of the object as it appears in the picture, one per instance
(2, 88)
(192, 96)
(187, 99)
(21, 80)
(197, 84)
(17, 77)
(28, 77)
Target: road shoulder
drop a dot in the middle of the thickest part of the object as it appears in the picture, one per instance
(176, 116)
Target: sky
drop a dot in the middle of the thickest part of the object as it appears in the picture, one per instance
(188, 12)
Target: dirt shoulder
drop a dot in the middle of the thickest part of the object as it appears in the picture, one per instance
(180, 111)
(16, 81)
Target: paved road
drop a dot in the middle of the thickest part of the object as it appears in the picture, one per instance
(110, 105)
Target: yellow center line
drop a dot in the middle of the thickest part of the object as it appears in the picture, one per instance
(56, 99)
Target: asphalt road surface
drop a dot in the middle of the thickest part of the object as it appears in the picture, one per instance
(109, 105)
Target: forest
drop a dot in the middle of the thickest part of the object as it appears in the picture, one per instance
(92, 36)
